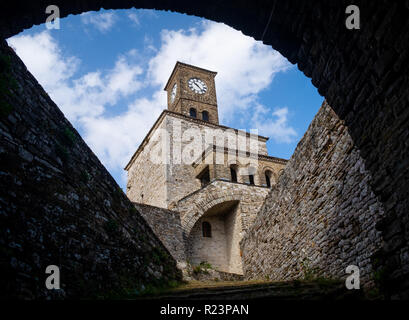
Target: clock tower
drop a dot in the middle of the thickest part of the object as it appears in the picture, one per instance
(191, 91)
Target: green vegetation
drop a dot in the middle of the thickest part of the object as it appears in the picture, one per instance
(309, 273)
(203, 267)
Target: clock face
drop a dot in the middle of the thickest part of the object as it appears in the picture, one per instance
(197, 85)
(173, 94)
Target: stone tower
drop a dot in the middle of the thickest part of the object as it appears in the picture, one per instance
(191, 91)
(209, 183)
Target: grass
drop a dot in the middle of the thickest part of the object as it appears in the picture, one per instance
(203, 267)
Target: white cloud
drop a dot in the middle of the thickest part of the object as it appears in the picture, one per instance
(116, 138)
(134, 18)
(85, 96)
(274, 124)
(102, 21)
(245, 68)
(42, 56)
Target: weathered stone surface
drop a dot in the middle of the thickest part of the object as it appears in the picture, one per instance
(320, 215)
(60, 206)
(168, 228)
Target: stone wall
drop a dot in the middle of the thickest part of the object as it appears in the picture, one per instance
(234, 233)
(146, 179)
(322, 212)
(60, 206)
(168, 228)
(209, 249)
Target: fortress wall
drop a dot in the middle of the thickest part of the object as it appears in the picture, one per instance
(60, 206)
(322, 212)
(167, 227)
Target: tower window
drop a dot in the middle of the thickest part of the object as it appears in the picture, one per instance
(205, 116)
(268, 182)
(192, 112)
(204, 177)
(206, 229)
(251, 179)
(269, 178)
(233, 174)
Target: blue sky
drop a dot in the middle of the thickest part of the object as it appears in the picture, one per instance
(106, 71)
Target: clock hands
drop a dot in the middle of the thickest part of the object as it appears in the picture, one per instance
(197, 85)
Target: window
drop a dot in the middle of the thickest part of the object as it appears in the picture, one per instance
(269, 178)
(251, 179)
(192, 112)
(205, 116)
(206, 229)
(204, 177)
(268, 182)
(233, 174)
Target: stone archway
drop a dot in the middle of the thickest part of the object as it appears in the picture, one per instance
(189, 220)
(229, 207)
(219, 245)
(194, 206)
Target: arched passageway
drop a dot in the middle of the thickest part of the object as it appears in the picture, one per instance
(362, 73)
(215, 238)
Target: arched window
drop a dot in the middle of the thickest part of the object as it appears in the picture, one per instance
(233, 174)
(251, 179)
(205, 116)
(207, 229)
(269, 178)
(268, 182)
(192, 112)
(204, 176)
